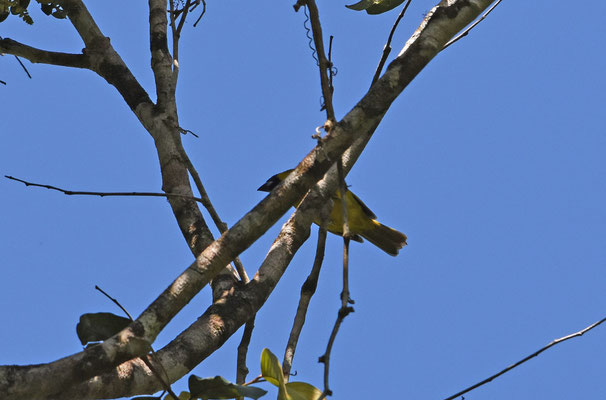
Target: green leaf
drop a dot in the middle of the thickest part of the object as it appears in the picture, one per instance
(374, 7)
(271, 368)
(272, 372)
(96, 327)
(361, 5)
(220, 388)
(302, 391)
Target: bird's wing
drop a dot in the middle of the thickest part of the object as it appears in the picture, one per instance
(364, 207)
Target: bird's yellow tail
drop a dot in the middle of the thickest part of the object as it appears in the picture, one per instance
(387, 239)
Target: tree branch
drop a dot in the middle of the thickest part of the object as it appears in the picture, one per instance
(345, 309)
(222, 226)
(323, 62)
(307, 291)
(224, 317)
(466, 31)
(241, 368)
(102, 194)
(161, 60)
(387, 47)
(35, 55)
(522, 361)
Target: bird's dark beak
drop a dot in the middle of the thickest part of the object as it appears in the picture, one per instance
(270, 184)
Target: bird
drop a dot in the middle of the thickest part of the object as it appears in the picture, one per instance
(361, 220)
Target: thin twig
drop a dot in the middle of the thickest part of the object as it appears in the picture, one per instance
(307, 291)
(331, 69)
(186, 131)
(343, 190)
(241, 368)
(115, 301)
(165, 384)
(103, 194)
(175, 36)
(466, 31)
(201, 14)
(536, 353)
(345, 298)
(186, 9)
(316, 29)
(2, 82)
(145, 358)
(325, 359)
(257, 379)
(387, 47)
(222, 226)
(23, 66)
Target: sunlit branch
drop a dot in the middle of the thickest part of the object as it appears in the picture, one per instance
(205, 200)
(146, 359)
(440, 24)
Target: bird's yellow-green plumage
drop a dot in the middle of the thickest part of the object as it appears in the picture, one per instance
(361, 221)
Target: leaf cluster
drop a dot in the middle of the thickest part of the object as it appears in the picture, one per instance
(19, 8)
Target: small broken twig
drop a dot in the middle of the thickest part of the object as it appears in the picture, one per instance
(186, 131)
(24, 68)
(466, 31)
(115, 302)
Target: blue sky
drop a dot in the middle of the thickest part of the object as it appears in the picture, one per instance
(491, 161)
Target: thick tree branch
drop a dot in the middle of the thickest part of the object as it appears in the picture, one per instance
(225, 317)
(82, 21)
(35, 55)
(219, 322)
(104, 60)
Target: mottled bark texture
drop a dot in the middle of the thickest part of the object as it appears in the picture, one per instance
(112, 368)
